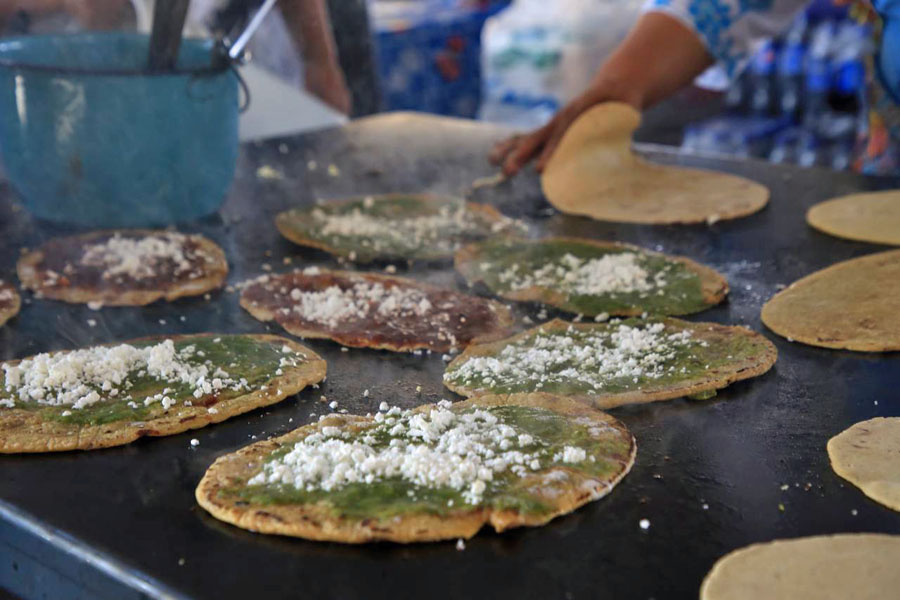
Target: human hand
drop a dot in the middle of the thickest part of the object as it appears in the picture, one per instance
(515, 152)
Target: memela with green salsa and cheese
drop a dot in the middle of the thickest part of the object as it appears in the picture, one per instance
(591, 277)
(610, 364)
(110, 395)
(432, 473)
(393, 226)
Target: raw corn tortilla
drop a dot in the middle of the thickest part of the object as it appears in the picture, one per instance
(594, 173)
(860, 566)
(852, 305)
(516, 461)
(370, 310)
(9, 302)
(129, 267)
(868, 456)
(615, 363)
(871, 217)
(392, 226)
(111, 395)
(591, 277)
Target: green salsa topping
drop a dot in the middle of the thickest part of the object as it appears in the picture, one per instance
(607, 358)
(249, 363)
(506, 265)
(394, 226)
(554, 439)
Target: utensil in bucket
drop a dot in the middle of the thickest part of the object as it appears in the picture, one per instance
(90, 136)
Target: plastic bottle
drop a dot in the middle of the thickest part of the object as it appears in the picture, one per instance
(762, 70)
(789, 69)
(817, 83)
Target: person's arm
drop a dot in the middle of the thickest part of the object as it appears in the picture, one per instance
(310, 27)
(660, 56)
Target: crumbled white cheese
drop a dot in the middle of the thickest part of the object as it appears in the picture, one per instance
(611, 274)
(444, 229)
(589, 358)
(146, 256)
(195, 442)
(438, 448)
(80, 378)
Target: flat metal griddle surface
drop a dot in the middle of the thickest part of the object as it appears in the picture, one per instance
(708, 477)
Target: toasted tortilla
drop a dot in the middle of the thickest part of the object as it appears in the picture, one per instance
(33, 430)
(691, 287)
(852, 305)
(594, 173)
(873, 217)
(571, 488)
(731, 354)
(862, 566)
(54, 270)
(9, 302)
(307, 226)
(868, 456)
(453, 320)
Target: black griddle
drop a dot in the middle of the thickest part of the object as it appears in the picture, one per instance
(747, 466)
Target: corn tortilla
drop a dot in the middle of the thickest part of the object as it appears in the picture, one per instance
(852, 305)
(871, 217)
(594, 173)
(868, 456)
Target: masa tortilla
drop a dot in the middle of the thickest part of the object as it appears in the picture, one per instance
(9, 302)
(584, 361)
(868, 456)
(594, 173)
(829, 567)
(871, 217)
(671, 285)
(29, 427)
(399, 511)
(852, 305)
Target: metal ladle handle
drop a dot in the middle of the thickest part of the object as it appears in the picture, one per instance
(237, 48)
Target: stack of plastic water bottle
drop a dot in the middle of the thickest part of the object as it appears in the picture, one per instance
(802, 99)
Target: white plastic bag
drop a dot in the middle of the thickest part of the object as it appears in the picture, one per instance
(539, 54)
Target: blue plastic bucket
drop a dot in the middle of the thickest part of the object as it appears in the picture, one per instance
(87, 136)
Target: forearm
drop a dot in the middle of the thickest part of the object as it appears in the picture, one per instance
(657, 58)
(310, 28)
